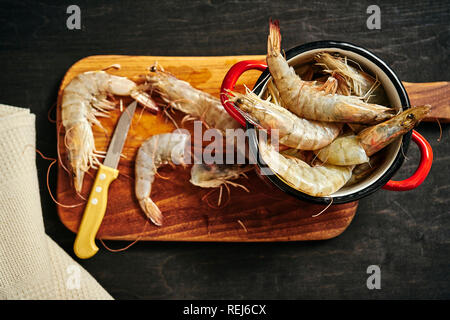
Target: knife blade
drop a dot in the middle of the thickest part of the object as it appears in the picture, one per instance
(84, 246)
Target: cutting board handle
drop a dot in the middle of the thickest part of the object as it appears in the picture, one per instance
(436, 94)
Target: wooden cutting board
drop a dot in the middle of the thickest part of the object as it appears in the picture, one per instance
(263, 214)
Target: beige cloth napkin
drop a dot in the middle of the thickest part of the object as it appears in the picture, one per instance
(32, 265)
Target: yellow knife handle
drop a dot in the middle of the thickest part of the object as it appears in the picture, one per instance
(84, 246)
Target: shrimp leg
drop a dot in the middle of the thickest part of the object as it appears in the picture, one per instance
(352, 80)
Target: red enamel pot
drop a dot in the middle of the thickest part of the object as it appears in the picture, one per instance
(394, 154)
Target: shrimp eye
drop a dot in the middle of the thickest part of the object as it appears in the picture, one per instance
(239, 101)
(410, 116)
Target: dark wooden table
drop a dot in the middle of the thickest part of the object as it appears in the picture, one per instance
(407, 234)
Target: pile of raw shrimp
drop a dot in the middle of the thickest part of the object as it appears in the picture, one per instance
(331, 117)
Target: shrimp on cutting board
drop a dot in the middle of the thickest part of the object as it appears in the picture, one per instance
(218, 175)
(83, 100)
(156, 151)
(214, 175)
(307, 101)
(356, 149)
(197, 104)
(319, 181)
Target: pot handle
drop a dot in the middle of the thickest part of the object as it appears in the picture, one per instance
(426, 158)
(230, 81)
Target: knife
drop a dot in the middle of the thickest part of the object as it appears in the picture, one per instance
(84, 246)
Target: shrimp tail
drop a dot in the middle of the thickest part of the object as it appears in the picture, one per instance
(151, 211)
(78, 177)
(274, 39)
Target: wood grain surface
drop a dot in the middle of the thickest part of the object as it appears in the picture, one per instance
(436, 94)
(263, 214)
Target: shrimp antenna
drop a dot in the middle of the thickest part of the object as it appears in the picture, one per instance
(171, 118)
(129, 245)
(323, 210)
(263, 80)
(53, 161)
(242, 225)
(440, 130)
(374, 86)
(49, 112)
(116, 66)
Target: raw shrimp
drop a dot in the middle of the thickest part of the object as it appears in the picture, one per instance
(185, 98)
(353, 81)
(345, 150)
(318, 181)
(215, 175)
(363, 170)
(156, 151)
(305, 156)
(218, 176)
(83, 100)
(195, 103)
(307, 101)
(293, 131)
(356, 149)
